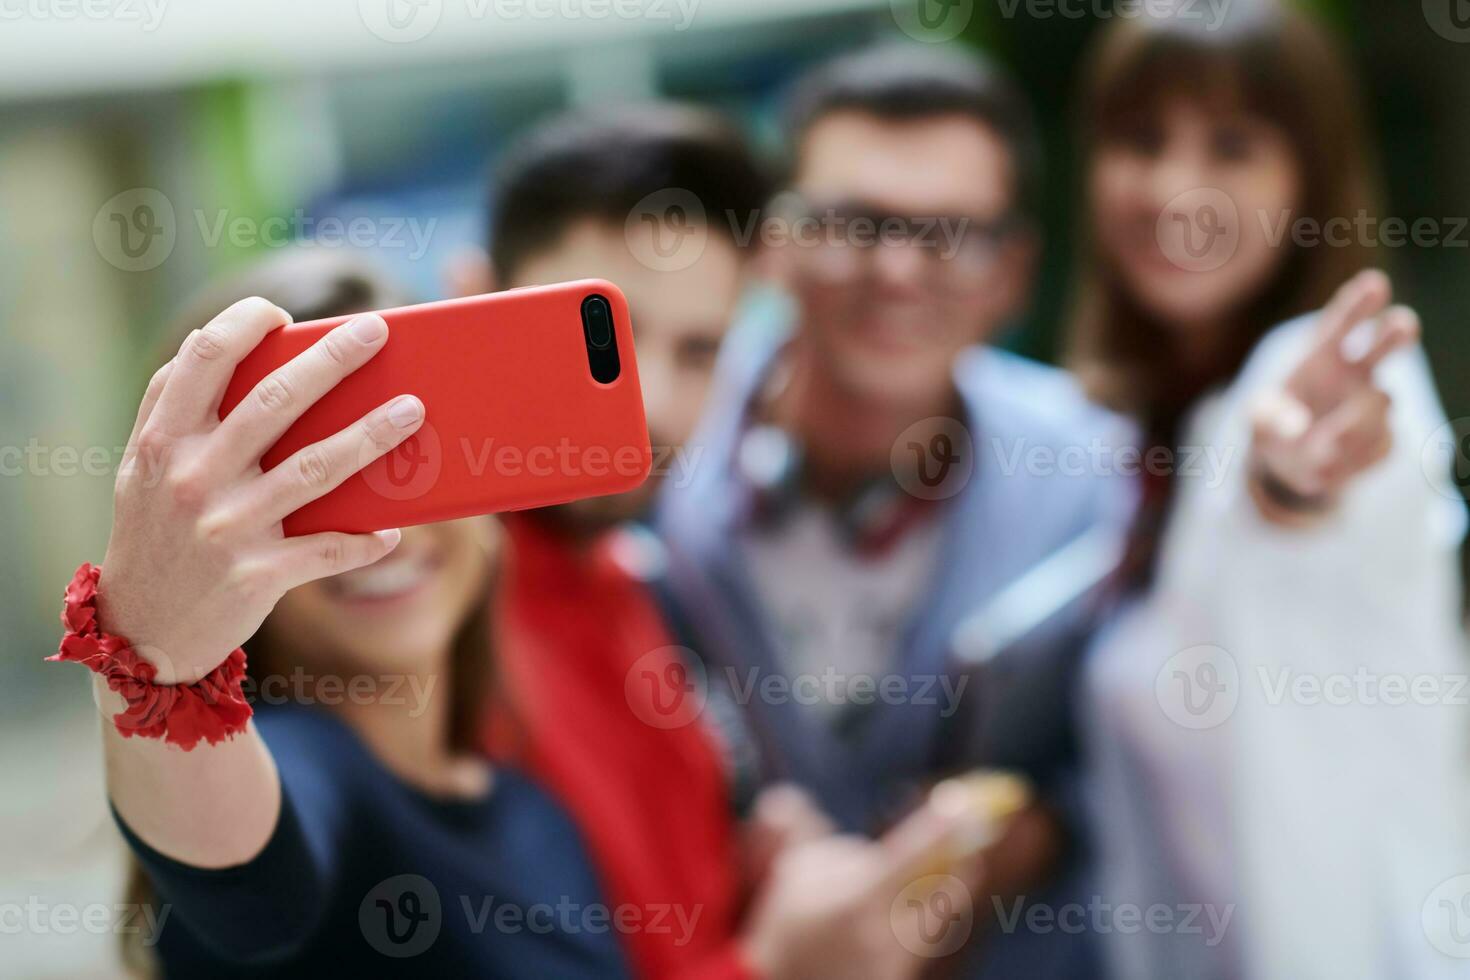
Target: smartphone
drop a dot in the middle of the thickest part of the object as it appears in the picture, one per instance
(531, 398)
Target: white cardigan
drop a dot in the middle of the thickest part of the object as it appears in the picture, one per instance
(1299, 807)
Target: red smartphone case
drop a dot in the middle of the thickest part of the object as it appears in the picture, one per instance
(513, 416)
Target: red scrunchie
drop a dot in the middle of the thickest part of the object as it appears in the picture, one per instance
(212, 709)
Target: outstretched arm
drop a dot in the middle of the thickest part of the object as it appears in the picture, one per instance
(197, 560)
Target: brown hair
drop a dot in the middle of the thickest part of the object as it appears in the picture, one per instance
(903, 82)
(310, 284)
(605, 164)
(1273, 63)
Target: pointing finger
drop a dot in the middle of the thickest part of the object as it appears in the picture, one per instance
(1397, 328)
(1361, 297)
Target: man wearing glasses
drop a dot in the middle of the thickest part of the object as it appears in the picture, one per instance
(873, 485)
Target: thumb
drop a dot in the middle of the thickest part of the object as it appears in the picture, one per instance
(923, 843)
(786, 814)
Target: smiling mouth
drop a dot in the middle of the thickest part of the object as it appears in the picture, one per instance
(383, 582)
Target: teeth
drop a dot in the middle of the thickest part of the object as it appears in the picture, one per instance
(379, 581)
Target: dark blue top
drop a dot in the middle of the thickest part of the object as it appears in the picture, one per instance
(365, 876)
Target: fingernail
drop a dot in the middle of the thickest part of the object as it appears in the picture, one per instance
(367, 329)
(405, 411)
(390, 537)
(1293, 421)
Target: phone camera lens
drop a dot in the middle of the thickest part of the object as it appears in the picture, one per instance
(597, 319)
(600, 338)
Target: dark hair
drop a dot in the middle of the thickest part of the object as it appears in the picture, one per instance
(1266, 60)
(308, 281)
(904, 82)
(583, 166)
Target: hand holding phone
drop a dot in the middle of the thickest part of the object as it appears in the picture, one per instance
(257, 460)
(197, 558)
(531, 399)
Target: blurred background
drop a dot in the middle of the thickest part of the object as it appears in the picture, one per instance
(146, 146)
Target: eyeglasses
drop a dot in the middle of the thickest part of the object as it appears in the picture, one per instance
(839, 242)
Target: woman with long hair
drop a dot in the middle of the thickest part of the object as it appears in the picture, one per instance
(1299, 546)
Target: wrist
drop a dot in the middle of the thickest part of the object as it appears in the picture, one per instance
(1279, 502)
(211, 709)
(115, 618)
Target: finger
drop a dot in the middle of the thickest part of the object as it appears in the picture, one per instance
(150, 400)
(152, 457)
(315, 556)
(789, 815)
(920, 844)
(320, 468)
(280, 398)
(208, 359)
(1341, 435)
(1363, 296)
(1397, 328)
(1279, 418)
